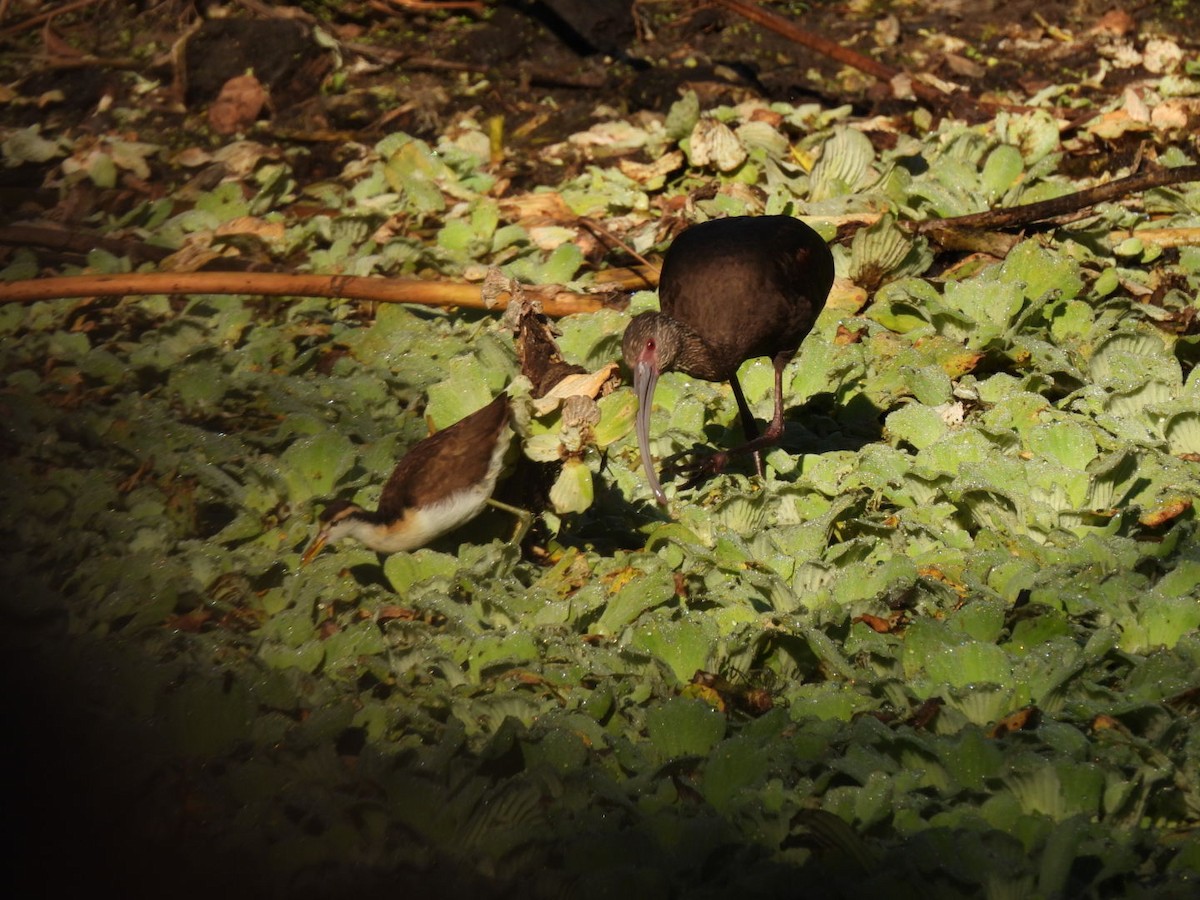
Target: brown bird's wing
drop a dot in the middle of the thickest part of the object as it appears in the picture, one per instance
(444, 463)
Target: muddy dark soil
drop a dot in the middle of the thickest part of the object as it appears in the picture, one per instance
(660, 46)
(546, 65)
(548, 70)
(356, 70)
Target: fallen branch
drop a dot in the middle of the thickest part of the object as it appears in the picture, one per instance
(554, 299)
(39, 18)
(832, 49)
(1029, 213)
(82, 242)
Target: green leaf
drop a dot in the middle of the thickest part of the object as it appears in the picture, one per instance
(916, 424)
(501, 652)
(993, 306)
(681, 727)
(312, 465)
(929, 384)
(932, 650)
(26, 145)
(202, 384)
(469, 386)
(561, 750)
(1035, 134)
(682, 116)
(617, 413)
(406, 570)
(1164, 620)
(1041, 271)
(1003, 168)
(971, 759)
(223, 203)
(643, 592)
(844, 166)
(685, 644)
(562, 264)
(877, 250)
(1067, 443)
(347, 645)
(307, 657)
(734, 767)
(205, 717)
(414, 172)
(1183, 433)
(102, 171)
(982, 620)
(572, 491)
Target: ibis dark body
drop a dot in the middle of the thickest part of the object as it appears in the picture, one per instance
(443, 482)
(731, 290)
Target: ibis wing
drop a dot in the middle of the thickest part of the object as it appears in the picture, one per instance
(749, 286)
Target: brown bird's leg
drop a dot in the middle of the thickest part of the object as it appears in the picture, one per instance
(715, 464)
(774, 430)
(749, 426)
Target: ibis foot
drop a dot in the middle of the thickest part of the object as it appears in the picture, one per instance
(697, 466)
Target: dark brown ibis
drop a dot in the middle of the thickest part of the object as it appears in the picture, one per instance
(441, 483)
(731, 290)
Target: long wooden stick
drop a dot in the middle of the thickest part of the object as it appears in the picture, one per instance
(555, 300)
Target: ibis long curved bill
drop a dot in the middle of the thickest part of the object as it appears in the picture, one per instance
(645, 377)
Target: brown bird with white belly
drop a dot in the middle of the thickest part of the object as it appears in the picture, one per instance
(731, 290)
(441, 483)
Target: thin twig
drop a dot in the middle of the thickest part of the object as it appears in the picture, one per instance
(44, 17)
(604, 234)
(78, 241)
(426, 6)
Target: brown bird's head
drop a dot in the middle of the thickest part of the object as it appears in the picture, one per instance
(338, 520)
